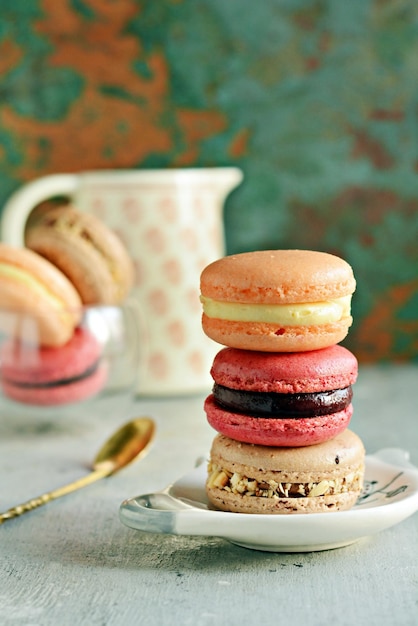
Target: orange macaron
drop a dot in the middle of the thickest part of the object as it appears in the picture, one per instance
(38, 303)
(277, 300)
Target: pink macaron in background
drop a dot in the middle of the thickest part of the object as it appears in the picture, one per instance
(282, 399)
(46, 376)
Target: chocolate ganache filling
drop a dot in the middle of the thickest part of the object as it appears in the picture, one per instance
(57, 383)
(289, 405)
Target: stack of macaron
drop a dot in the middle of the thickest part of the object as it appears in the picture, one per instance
(71, 260)
(281, 401)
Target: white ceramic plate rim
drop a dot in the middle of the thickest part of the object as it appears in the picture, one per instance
(390, 496)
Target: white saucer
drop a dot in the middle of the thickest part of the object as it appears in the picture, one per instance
(390, 495)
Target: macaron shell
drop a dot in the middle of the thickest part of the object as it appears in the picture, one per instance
(51, 376)
(295, 464)
(26, 363)
(334, 367)
(43, 307)
(88, 252)
(41, 271)
(276, 432)
(32, 319)
(270, 337)
(60, 394)
(278, 277)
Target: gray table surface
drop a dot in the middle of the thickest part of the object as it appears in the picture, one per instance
(73, 562)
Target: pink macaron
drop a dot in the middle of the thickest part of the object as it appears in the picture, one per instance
(282, 399)
(51, 376)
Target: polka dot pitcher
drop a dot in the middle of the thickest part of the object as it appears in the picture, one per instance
(171, 222)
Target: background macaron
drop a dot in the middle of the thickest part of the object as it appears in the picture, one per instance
(51, 376)
(89, 253)
(37, 301)
(282, 399)
(327, 477)
(277, 300)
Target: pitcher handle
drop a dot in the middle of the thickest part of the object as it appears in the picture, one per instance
(20, 204)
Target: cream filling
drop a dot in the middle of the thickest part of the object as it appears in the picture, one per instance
(305, 314)
(242, 485)
(25, 278)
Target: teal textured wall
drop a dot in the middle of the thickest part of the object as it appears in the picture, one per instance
(316, 101)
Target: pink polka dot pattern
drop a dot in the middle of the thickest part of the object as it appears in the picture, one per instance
(155, 239)
(158, 365)
(176, 332)
(188, 238)
(173, 228)
(132, 211)
(157, 300)
(139, 273)
(172, 271)
(168, 209)
(196, 361)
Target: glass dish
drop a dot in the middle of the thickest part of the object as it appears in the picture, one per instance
(94, 373)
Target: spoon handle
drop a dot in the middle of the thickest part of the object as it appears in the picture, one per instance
(101, 472)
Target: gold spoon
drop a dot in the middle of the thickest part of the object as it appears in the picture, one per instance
(127, 444)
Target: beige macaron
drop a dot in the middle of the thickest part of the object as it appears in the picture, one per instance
(87, 251)
(246, 478)
(277, 300)
(38, 303)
